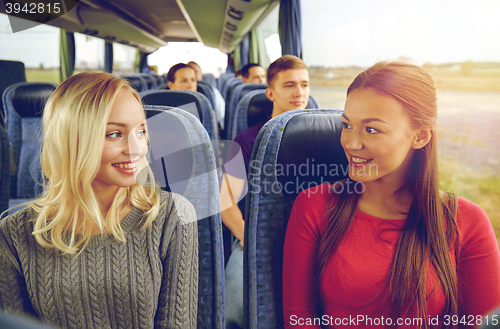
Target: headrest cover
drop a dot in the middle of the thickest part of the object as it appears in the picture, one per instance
(175, 98)
(310, 153)
(29, 100)
(259, 109)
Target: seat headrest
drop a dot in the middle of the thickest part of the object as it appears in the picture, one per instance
(29, 100)
(260, 108)
(310, 153)
(175, 98)
(170, 152)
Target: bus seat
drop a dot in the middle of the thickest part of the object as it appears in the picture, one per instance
(11, 72)
(288, 145)
(24, 103)
(136, 81)
(187, 159)
(210, 79)
(222, 80)
(238, 92)
(151, 80)
(228, 86)
(206, 89)
(4, 170)
(182, 98)
(254, 108)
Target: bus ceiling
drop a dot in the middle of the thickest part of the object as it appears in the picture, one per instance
(150, 24)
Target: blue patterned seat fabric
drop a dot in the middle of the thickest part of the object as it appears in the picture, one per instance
(183, 161)
(210, 79)
(136, 81)
(182, 98)
(23, 104)
(206, 90)
(4, 170)
(237, 94)
(255, 107)
(298, 149)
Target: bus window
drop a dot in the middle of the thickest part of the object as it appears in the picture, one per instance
(42, 64)
(89, 53)
(268, 39)
(123, 58)
(462, 58)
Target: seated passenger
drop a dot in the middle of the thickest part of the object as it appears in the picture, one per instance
(197, 70)
(181, 77)
(219, 103)
(253, 73)
(387, 243)
(288, 89)
(97, 249)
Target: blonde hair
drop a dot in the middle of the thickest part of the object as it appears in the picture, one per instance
(68, 210)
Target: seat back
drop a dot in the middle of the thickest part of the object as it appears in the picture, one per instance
(4, 170)
(209, 79)
(183, 98)
(183, 161)
(11, 72)
(222, 80)
(136, 81)
(254, 108)
(206, 89)
(151, 80)
(24, 103)
(228, 87)
(238, 92)
(294, 151)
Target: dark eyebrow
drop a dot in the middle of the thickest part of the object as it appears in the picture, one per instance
(366, 120)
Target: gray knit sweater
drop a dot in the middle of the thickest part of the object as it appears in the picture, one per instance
(150, 281)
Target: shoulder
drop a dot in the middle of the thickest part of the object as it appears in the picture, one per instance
(475, 227)
(19, 222)
(313, 203)
(250, 133)
(177, 207)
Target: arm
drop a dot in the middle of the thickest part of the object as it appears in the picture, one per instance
(479, 264)
(178, 302)
(14, 296)
(231, 190)
(301, 245)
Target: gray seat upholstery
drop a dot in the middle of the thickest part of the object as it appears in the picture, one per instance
(4, 170)
(24, 103)
(181, 98)
(286, 146)
(183, 161)
(237, 94)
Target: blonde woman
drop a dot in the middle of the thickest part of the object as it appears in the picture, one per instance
(98, 250)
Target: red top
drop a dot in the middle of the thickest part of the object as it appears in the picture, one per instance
(357, 271)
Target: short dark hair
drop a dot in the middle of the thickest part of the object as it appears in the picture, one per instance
(245, 70)
(285, 62)
(175, 68)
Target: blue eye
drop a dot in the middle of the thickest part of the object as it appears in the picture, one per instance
(371, 130)
(141, 133)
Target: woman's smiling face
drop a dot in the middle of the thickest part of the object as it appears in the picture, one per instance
(378, 138)
(125, 144)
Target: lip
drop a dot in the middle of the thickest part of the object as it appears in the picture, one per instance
(358, 164)
(297, 103)
(130, 171)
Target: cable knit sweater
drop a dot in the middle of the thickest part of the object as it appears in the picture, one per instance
(149, 281)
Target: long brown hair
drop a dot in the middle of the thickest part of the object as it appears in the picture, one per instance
(429, 231)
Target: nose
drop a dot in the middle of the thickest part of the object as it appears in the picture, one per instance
(136, 146)
(350, 140)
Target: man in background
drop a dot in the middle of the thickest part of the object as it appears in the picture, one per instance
(288, 89)
(181, 77)
(253, 73)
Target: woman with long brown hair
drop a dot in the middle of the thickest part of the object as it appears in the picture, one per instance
(396, 251)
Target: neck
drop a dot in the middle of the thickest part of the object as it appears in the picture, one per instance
(276, 112)
(105, 198)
